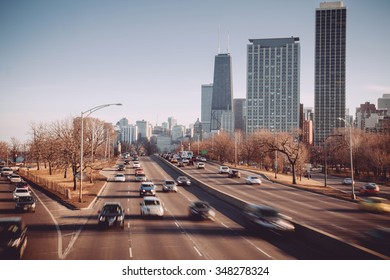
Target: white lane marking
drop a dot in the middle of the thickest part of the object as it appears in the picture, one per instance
(131, 253)
(342, 228)
(196, 249)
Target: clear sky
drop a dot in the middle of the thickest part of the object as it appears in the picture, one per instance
(59, 58)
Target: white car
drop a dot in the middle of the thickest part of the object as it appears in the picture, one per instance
(141, 177)
(6, 171)
(15, 178)
(120, 177)
(136, 164)
(169, 186)
(200, 165)
(223, 169)
(152, 206)
(19, 192)
(253, 180)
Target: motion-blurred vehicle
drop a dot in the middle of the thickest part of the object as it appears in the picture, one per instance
(141, 177)
(19, 192)
(152, 206)
(253, 180)
(13, 238)
(347, 181)
(147, 188)
(169, 186)
(111, 214)
(375, 204)
(378, 239)
(15, 178)
(120, 177)
(200, 165)
(6, 171)
(262, 217)
(369, 189)
(183, 181)
(201, 210)
(136, 164)
(223, 169)
(139, 171)
(121, 167)
(25, 203)
(234, 173)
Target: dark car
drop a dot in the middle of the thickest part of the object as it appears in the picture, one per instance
(25, 203)
(147, 188)
(112, 214)
(234, 173)
(262, 217)
(201, 210)
(183, 181)
(378, 239)
(13, 238)
(121, 167)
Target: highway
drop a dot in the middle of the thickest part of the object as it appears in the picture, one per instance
(57, 232)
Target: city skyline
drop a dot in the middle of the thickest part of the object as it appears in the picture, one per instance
(60, 58)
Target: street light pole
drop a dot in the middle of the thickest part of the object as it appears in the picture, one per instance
(350, 152)
(88, 112)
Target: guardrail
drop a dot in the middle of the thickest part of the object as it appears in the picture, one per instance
(329, 243)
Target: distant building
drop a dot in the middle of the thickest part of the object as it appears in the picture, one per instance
(368, 116)
(329, 64)
(273, 92)
(227, 121)
(198, 130)
(143, 129)
(206, 99)
(171, 122)
(384, 102)
(177, 132)
(239, 109)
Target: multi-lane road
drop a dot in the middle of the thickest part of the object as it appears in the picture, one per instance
(57, 232)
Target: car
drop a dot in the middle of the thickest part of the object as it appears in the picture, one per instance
(126, 161)
(174, 160)
(140, 177)
(378, 239)
(183, 181)
(169, 186)
(200, 165)
(111, 214)
(139, 171)
(369, 189)
(203, 159)
(119, 177)
(234, 173)
(223, 169)
(136, 164)
(13, 238)
(25, 203)
(201, 210)
(19, 192)
(375, 204)
(15, 178)
(22, 185)
(263, 217)
(347, 181)
(6, 171)
(147, 188)
(152, 206)
(185, 161)
(121, 167)
(253, 180)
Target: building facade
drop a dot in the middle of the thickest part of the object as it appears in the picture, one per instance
(273, 89)
(206, 99)
(330, 59)
(239, 109)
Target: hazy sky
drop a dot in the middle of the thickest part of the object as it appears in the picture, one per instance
(59, 58)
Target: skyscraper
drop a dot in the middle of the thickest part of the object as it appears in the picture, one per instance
(273, 94)
(206, 99)
(222, 99)
(329, 92)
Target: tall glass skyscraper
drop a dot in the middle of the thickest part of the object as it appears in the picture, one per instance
(222, 99)
(329, 92)
(273, 92)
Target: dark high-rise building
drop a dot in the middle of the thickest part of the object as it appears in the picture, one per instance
(222, 100)
(239, 108)
(330, 49)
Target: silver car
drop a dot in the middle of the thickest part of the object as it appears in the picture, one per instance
(169, 186)
(253, 180)
(152, 206)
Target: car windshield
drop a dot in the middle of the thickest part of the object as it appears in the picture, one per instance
(169, 182)
(182, 178)
(201, 205)
(370, 187)
(152, 202)
(111, 209)
(21, 190)
(254, 178)
(25, 199)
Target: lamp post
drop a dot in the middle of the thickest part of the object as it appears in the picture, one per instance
(88, 112)
(350, 152)
(325, 157)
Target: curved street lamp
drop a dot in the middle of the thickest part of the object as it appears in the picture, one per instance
(350, 152)
(88, 112)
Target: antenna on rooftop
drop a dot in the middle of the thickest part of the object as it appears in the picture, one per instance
(219, 40)
(228, 42)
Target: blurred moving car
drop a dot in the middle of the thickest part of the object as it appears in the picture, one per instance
(266, 218)
(369, 189)
(19, 192)
(121, 167)
(111, 214)
(347, 181)
(201, 210)
(141, 177)
(120, 177)
(136, 164)
(139, 171)
(15, 178)
(25, 203)
(13, 238)
(234, 173)
(147, 188)
(375, 204)
(223, 169)
(378, 239)
(152, 206)
(253, 180)
(200, 165)
(6, 171)
(169, 186)
(183, 181)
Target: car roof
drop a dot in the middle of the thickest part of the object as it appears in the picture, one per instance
(112, 203)
(150, 198)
